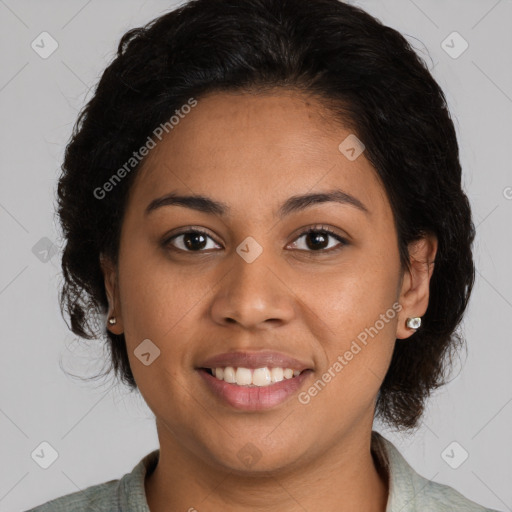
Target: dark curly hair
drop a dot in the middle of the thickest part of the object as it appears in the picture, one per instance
(373, 82)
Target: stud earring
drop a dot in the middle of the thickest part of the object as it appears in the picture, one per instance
(112, 320)
(413, 323)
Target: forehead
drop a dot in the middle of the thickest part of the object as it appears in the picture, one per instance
(255, 149)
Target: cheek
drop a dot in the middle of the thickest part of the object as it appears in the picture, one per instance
(352, 296)
(356, 353)
(357, 312)
(158, 304)
(156, 296)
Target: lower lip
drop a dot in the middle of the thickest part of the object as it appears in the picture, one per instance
(254, 398)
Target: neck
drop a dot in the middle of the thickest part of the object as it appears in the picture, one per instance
(343, 479)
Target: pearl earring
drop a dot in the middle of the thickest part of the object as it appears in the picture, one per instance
(413, 323)
(112, 320)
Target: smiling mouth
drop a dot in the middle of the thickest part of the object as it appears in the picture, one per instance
(249, 377)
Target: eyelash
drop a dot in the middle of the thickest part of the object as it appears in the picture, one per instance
(313, 229)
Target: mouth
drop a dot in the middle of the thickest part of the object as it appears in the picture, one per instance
(249, 389)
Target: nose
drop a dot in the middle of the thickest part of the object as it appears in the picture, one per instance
(254, 295)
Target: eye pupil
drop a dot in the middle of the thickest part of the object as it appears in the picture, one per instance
(318, 239)
(191, 245)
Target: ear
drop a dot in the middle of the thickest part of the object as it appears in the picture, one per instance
(414, 293)
(111, 288)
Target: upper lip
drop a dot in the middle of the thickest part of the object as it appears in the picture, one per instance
(254, 360)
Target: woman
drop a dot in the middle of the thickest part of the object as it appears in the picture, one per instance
(264, 198)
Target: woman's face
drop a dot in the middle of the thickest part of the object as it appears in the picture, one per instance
(253, 282)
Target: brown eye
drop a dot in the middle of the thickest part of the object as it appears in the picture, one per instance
(190, 241)
(318, 240)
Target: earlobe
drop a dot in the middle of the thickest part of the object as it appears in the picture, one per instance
(414, 293)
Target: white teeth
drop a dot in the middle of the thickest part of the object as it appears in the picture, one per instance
(243, 376)
(261, 377)
(277, 374)
(229, 375)
(258, 377)
(288, 373)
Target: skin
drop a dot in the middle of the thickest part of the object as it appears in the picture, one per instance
(253, 152)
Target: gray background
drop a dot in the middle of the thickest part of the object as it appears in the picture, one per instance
(100, 432)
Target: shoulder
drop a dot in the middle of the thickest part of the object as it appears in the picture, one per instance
(446, 499)
(125, 494)
(101, 498)
(409, 491)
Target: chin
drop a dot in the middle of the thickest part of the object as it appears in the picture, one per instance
(255, 459)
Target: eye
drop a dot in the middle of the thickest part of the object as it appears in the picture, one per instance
(316, 239)
(193, 240)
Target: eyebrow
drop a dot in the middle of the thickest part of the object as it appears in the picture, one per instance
(293, 204)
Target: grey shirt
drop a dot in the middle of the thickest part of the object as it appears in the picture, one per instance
(408, 491)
